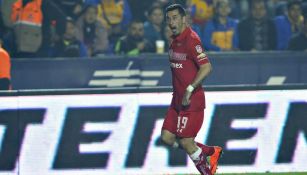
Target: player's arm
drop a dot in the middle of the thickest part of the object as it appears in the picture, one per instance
(200, 58)
(203, 72)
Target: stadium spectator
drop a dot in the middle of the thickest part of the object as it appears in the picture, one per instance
(139, 8)
(257, 32)
(53, 23)
(69, 45)
(115, 17)
(39, 34)
(240, 8)
(6, 11)
(288, 25)
(55, 15)
(154, 26)
(134, 42)
(113, 13)
(280, 8)
(299, 41)
(200, 10)
(196, 27)
(92, 32)
(3, 28)
(199, 13)
(27, 17)
(5, 69)
(220, 33)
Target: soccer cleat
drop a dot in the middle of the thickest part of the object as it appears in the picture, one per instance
(203, 166)
(214, 159)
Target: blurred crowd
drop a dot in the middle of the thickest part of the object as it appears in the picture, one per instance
(89, 28)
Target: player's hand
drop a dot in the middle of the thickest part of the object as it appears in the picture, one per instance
(186, 98)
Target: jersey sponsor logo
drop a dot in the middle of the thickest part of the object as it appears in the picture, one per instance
(199, 49)
(176, 65)
(177, 56)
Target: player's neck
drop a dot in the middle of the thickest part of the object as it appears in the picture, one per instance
(183, 29)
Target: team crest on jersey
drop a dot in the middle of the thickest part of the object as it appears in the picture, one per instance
(199, 49)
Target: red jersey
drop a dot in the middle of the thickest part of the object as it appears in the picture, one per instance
(184, 62)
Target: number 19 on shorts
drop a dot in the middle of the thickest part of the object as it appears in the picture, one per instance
(181, 123)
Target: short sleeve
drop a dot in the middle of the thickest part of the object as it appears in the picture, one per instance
(197, 52)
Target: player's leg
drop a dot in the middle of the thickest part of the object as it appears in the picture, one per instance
(188, 125)
(168, 133)
(213, 154)
(214, 159)
(208, 150)
(196, 154)
(168, 138)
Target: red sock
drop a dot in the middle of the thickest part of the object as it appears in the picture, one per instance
(208, 150)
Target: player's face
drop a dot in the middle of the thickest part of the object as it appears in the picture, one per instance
(176, 22)
(259, 10)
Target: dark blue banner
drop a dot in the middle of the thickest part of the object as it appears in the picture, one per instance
(153, 70)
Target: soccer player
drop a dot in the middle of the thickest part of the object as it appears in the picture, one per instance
(189, 65)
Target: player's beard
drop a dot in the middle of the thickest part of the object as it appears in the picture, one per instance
(175, 31)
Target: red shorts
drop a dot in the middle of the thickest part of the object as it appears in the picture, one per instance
(184, 124)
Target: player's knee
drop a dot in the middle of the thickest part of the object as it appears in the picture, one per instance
(167, 139)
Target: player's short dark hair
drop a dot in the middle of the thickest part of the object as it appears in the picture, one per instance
(178, 7)
(291, 3)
